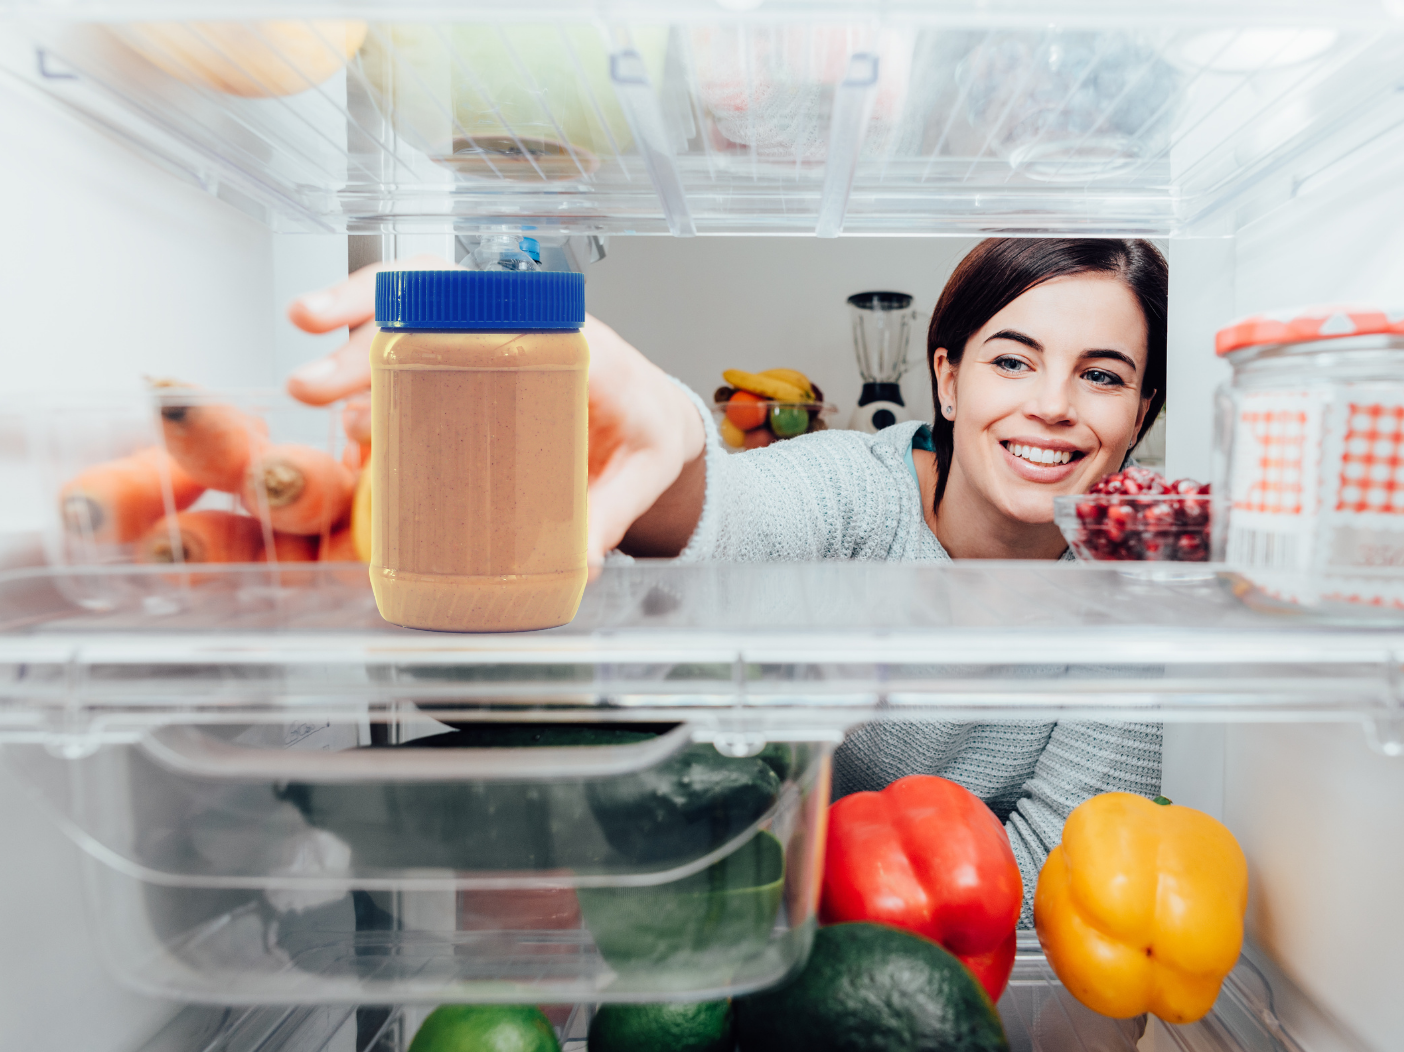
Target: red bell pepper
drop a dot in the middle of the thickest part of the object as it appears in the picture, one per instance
(929, 856)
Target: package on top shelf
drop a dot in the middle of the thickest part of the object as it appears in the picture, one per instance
(254, 59)
(1066, 106)
(768, 89)
(529, 102)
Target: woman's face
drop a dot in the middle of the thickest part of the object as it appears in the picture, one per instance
(1047, 398)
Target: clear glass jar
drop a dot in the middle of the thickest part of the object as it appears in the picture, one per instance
(1310, 449)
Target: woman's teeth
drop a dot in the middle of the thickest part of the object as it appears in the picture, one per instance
(1037, 455)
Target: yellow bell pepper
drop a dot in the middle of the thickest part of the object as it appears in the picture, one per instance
(1140, 909)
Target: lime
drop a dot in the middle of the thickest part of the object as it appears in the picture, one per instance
(485, 1028)
(704, 1026)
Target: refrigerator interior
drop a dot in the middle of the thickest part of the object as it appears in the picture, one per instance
(163, 225)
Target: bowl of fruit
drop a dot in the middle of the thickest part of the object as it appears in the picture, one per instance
(1137, 515)
(756, 409)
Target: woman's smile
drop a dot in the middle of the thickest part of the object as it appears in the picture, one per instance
(1041, 459)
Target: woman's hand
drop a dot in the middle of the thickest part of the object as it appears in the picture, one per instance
(647, 471)
(346, 371)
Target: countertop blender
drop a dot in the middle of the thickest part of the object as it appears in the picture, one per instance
(882, 328)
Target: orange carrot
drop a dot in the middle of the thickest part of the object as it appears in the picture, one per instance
(212, 442)
(294, 548)
(116, 502)
(298, 489)
(204, 537)
(338, 548)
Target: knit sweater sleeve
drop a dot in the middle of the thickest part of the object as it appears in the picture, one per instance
(818, 496)
(1081, 759)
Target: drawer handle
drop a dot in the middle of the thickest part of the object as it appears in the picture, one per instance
(188, 750)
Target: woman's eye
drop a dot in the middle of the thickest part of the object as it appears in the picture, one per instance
(1010, 363)
(1103, 378)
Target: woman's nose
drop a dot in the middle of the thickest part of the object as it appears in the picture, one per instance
(1052, 403)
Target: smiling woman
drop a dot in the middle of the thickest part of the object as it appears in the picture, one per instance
(1047, 361)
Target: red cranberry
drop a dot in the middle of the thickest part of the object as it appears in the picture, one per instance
(1186, 486)
(1194, 512)
(1158, 546)
(1133, 547)
(1091, 512)
(1159, 516)
(1190, 548)
(1121, 516)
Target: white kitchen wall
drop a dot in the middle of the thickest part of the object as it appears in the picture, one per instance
(701, 305)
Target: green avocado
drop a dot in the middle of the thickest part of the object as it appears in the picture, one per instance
(871, 988)
(485, 1028)
(692, 803)
(703, 1026)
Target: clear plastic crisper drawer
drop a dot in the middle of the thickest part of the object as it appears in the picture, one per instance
(537, 862)
(814, 117)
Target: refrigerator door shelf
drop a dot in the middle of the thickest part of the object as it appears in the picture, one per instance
(688, 118)
(1038, 1014)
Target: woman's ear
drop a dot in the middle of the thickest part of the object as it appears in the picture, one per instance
(1142, 411)
(945, 371)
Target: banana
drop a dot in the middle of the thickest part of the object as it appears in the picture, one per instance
(792, 376)
(766, 386)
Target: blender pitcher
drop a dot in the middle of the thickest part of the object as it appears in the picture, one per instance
(882, 329)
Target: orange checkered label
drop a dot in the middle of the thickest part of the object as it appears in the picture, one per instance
(1276, 483)
(1372, 461)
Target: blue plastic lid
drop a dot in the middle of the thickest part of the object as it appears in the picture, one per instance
(490, 300)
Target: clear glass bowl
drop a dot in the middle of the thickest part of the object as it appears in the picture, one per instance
(1160, 527)
(758, 424)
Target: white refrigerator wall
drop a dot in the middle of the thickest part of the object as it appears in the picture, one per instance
(115, 270)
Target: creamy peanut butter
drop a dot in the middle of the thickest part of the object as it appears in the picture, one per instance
(479, 460)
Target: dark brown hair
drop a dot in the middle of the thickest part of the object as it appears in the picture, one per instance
(1001, 269)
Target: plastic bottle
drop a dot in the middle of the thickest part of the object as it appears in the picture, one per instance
(507, 252)
(478, 421)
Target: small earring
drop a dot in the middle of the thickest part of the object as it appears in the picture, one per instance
(948, 410)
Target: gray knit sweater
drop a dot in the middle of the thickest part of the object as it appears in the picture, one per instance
(847, 495)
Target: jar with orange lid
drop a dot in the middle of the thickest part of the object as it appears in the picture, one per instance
(1310, 444)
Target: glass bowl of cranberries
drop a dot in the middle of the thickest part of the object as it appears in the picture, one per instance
(1137, 515)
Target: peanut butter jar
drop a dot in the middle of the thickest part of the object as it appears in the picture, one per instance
(479, 443)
